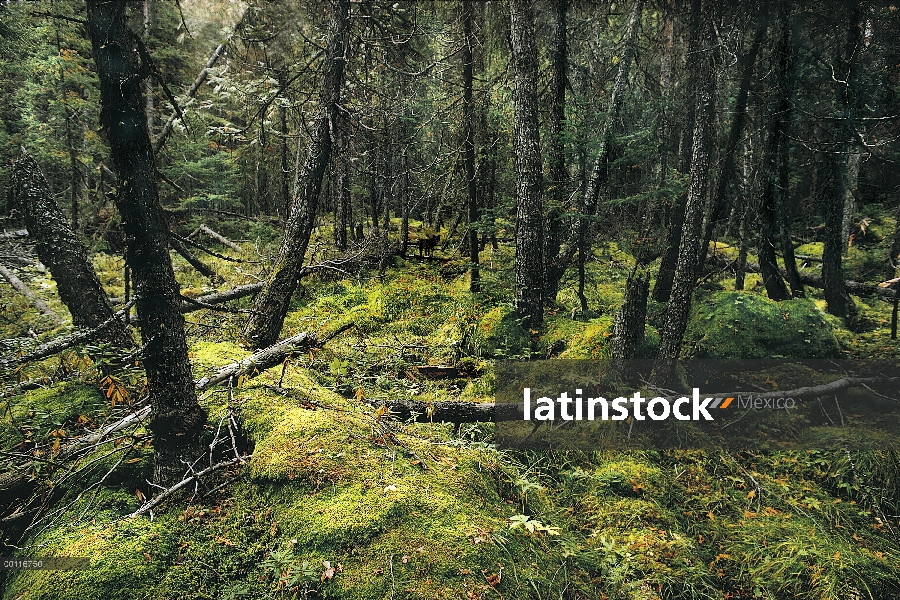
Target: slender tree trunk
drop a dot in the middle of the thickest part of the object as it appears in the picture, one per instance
(529, 266)
(783, 201)
(342, 179)
(689, 252)
(283, 206)
(719, 200)
(838, 302)
(662, 289)
(557, 185)
(177, 419)
(271, 306)
(469, 146)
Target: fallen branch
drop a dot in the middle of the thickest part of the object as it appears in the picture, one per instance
(195, 262)
(65, 342)
(201, 77)
(11, 235)
(220, 297)
(866, 290)
(196, 476)
(220, 238)
(267, 357)
(23, 289)
(188, 241)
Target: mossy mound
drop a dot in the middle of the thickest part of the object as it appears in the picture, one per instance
(499, 333)
(742, 325)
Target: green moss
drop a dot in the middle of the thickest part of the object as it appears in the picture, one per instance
(499, 333)
(743, 325)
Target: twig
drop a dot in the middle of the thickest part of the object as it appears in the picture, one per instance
(184, 482)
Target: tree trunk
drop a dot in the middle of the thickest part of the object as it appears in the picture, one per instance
(469, 146)
(529, 266)
(662, 289)
(342, 178)
(60, 249)
(844, 171)
(271, 306)
(178, 420)
(557, 184)
(628, 329)
(689, 251)
(719, 201)
(783, 202)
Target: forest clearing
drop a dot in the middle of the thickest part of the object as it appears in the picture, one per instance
(263, 264)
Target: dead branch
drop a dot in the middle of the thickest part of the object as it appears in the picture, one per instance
(181, 484)
(11, 235)
(188, 241)
(220, 238)
(65, 342)
(201, 77)
(195, 262)
(220, 297)
(23, 289)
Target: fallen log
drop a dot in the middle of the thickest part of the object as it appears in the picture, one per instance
(195, 262)
(11, 235)
(267, 357)
(65, 342)
(23, 289)
(220, 238)
(219, 297)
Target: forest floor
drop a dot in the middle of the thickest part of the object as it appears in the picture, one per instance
(339, 501)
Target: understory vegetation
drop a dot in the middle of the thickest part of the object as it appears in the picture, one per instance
(339, 500)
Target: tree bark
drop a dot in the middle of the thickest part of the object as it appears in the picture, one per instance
(271, 306)
(342, 179)
(60, 249)
(662, 289)
(178, 420)
(557, 176)
(630, 323)
(469, 147)
(689, 251)
(529, 266)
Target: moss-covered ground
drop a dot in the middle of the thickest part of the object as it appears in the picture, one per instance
(340, 501)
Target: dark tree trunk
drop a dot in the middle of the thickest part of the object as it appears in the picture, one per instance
(283, 207)
(271, 306)
(177, 419)
(609, 149)
(60, 249)
(689, 252)
(783, 201)
(628, 329)
(529, 266)
(719, 201)
(342, 180)
(662, 289)
(839, 191)
(557, 184)
(469, 146)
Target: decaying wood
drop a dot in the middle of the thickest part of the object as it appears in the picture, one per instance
(23, 289)
(267, 357)
(241, 291)
(220, 238)
(11, 235)
(856, 288)
(195, 262)
(65, 342)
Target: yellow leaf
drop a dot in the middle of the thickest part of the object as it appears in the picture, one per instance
(139, 495)
(751, 494)
(360, 395)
